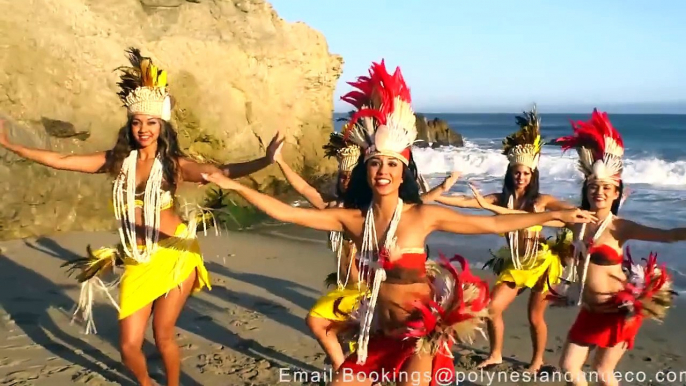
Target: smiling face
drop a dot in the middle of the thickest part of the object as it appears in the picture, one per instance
(601, 195)
(145, 129)
(521, 175)
(343, 180)
(384, 174)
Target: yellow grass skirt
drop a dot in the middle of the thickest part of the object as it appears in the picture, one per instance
(546, 269)
(175, 259)
(338, 303)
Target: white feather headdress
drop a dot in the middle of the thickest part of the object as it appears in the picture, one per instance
(384, 123)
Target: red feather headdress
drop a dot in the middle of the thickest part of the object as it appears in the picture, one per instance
(384, 123)
(600, 148)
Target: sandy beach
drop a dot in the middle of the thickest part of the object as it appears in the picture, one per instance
(249, 329)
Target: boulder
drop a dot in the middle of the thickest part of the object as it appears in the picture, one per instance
(238, 73)
(436, 133)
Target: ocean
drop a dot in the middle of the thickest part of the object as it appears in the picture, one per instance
(654, 174)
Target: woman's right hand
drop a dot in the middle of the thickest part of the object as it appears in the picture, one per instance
(221, 180)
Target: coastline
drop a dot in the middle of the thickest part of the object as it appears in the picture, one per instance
(249, 329)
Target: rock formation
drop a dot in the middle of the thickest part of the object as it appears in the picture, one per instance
(436, 133)
(236, 70)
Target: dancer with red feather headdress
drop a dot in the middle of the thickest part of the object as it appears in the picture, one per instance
(414, 312)
(615, 293)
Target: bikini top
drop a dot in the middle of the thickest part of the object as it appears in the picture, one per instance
(409, 268)
(605, 255)
(166, 200)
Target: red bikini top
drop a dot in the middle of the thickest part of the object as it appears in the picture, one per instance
(411, 258)
(605, 255)
(409, 268)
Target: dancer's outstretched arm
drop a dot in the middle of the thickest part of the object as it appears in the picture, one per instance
(326, 220)
(629, 230)
(299, 184)
(193, 171)
(497, 209)
(447, 220)
(85, 163)
(435, 193)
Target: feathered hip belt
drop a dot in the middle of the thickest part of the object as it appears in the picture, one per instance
(647, 291)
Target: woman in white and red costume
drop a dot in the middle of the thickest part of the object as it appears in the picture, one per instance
(385, 218)
(615, 295)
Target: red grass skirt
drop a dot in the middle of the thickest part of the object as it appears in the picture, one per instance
(386, 357)
(605, 329)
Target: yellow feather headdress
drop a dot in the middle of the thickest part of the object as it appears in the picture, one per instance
(524, 146)
(346, 152)
(144, 87)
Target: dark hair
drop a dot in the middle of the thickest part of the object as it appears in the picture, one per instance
(586, 205)
(531, 192)
(167, 147)
(359, 194)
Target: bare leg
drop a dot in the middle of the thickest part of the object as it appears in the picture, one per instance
(348, 379)
(325, 331)
(166, 312)
(605, 361)
(415, 371)
(503, 295)
(537, 328)
(572, 363)
(131, 336)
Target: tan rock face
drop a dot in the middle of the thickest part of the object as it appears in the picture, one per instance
(236, 70)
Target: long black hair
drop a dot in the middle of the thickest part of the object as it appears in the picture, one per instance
(531, 192)
(586, 205)
(167, 147)
(359, 194)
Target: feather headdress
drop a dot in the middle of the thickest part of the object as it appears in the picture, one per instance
(600, 148)
(346, 152)
(524, 146)
(384, 123)
(144, 87)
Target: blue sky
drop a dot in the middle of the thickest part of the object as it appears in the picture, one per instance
(502, 55)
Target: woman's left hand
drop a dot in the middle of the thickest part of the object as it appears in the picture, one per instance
(478, 197)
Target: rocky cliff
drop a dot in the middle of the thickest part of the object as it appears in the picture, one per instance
(436, 133)
(237, 72)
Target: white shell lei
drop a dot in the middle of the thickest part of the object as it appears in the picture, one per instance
(369, 267)
(581, 250)
(124, 192)
(531, 252)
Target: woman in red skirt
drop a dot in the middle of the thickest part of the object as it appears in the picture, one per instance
(615, 295)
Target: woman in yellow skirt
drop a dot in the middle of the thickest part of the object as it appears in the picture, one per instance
(159, 252)
(527, 261)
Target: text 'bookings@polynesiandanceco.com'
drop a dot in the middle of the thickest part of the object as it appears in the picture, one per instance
(289, 375)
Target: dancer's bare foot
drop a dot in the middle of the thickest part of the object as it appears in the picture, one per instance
(534, 367)
(490, 361)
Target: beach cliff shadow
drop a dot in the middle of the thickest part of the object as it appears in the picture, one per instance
(194, 319)
(52, 248)
(281, 288)
(27, 296)
(101, 313)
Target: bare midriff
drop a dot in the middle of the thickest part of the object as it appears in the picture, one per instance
(602, 282)
(169, 222)
(395, 304)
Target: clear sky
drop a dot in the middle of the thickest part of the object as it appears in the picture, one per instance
(502, 55)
